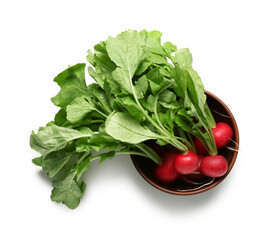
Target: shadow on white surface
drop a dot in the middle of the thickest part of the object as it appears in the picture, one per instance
(176, 203)
(44, 177)
(122, 169)
(110, 176)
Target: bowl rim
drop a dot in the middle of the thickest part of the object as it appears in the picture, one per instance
(207, 187)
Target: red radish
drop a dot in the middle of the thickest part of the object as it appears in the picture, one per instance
(200, 158)
(222, 134)
(166, 173)
(186, 163)
(197, 175)
(199, 147)
(214, 166)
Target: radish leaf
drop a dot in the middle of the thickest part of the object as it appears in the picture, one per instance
(123, 127)
(68, 191)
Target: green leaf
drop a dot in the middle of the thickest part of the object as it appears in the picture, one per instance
(156, 58)
(152, 42)
(142, 84)
(124, 127)
(96, 76)
(90, 58)
(86, 130)
(161, 142)
(60, 117)
(99, 94)
(123, 78)
(68, 191)
(194, 85)
(197, 98)
(72, 83)
(101, 47)
(167, 119)
(181, 77)
(196, 89)
(169, 48)
(55, 161)
(69, 167)
(209, 116)
(79, 108)
(101, 70)
(152, 34)
(143, 66)
(183, 57)
(126, 52)
(97, 141)
(157, 80)
(53, 138)
(167, 96)
(151, 101)
(107, 156)
(183, 123)
(129, 104)
(100, 59)
(173, 105)
(38, 161)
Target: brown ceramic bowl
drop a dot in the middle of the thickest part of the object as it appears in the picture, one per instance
(220, 111)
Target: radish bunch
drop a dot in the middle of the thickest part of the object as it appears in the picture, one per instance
(191, 167)
(143, 90)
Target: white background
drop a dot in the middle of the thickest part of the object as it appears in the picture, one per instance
(232, 47)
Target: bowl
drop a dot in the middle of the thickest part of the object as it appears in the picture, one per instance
(221, 113)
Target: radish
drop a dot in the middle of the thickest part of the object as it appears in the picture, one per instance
(214, 166)
(186, 163)
(200, 158)
(166, 173)
(222, 134)
(200, 147)
(197, 175)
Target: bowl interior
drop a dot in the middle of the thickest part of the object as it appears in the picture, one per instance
(221, 113)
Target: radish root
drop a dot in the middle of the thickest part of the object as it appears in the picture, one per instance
(234, 142)
(187, 180)
(196, 188)
(221, 114)
(233, 149)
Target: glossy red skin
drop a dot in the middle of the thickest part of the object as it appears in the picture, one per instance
(222, 134)
(214, 166)
(186, 163)
(197, 175)
(166, 173)
(200, 158)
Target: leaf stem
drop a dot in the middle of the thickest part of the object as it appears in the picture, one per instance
(155, 108)
(150, 153)
(101, 113)
(83, 165)
(170, 140)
